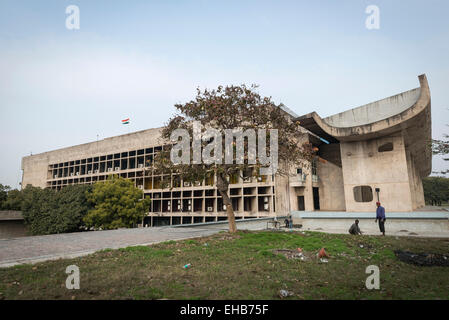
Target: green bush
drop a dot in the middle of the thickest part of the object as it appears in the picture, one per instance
(117, 204)
(3, 195)
(47, 211)
(14, 200)
(436, 190)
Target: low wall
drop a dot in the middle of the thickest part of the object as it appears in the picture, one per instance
(11, 225)
(10, 215)
(412, 222)
(12, 229)
(242, 224)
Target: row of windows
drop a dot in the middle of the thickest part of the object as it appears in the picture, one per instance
(110, 157)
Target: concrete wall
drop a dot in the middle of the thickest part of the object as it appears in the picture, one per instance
(364, 165)
(399, 223)
(242, 224)
(416, 187)
(12, 229)
(331, 187)
(405, 226)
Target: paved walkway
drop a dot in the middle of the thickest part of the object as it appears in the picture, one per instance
(69, 245)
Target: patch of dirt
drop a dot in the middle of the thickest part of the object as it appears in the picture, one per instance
(423, 259)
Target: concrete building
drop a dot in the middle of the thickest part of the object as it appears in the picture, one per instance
(376, 151)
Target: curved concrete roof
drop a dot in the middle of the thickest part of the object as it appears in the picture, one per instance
(408, 111)
(375, 111)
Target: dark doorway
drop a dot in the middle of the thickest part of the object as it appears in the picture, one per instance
(316, 199)
(301, 205)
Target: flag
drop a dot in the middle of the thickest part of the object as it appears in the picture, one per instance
(125, 121)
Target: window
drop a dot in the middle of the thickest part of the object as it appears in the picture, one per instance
(386, 147)
(363, 194)
(299, 171)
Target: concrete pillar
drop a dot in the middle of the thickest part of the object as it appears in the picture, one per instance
(308, 191)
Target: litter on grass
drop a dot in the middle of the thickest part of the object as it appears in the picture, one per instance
(291, 254)
(285, 293)
(322, 254)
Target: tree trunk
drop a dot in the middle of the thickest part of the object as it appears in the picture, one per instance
(222, 186)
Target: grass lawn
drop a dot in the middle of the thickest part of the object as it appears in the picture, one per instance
(240, 266)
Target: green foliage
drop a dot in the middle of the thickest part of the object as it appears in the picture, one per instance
(47, 211)
(117, 204)
(436, 190)
(3, 196)
(14, 200)
(10, 199)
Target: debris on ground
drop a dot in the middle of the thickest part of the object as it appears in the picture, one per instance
(322, 254)
(422, 259)
(285, 293)
(323, 260)
(291, 254)
(187, 266)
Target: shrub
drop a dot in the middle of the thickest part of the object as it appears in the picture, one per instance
(47, 211)
(117, 204)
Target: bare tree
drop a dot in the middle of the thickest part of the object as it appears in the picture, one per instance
(224, 109)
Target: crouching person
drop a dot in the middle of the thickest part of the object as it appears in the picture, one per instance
(355, 230)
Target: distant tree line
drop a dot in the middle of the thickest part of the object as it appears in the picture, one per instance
(10, 199)
(436, 190)
(115, 203)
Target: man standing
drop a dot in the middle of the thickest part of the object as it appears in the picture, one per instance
(380, 215)
(355, 230)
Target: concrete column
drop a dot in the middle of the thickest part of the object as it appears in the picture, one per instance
(308, 191)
